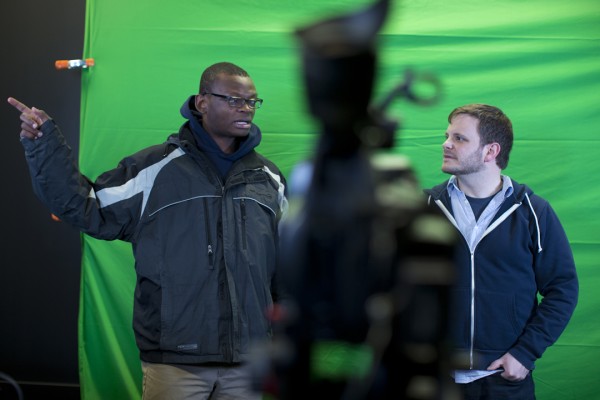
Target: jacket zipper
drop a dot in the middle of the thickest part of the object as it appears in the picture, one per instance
(244, 218)
(210, 250)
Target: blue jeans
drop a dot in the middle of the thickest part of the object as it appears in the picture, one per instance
(179, 382)
(494, 387)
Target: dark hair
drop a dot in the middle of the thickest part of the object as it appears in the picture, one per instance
(210, 74)
(494, 127)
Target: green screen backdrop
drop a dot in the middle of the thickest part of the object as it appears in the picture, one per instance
(538, 60)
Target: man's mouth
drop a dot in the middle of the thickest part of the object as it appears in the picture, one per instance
(242, 124)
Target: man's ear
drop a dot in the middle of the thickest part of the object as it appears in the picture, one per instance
(200, 103)
(493, 149)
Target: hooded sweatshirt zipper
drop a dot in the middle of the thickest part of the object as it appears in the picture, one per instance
(490, 228)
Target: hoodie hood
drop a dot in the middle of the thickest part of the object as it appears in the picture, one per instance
(205, 143)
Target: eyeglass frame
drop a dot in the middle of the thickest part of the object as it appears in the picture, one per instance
(231, 101)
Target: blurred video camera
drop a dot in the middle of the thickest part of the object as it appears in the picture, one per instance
(366, 268)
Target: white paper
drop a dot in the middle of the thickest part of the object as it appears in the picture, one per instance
(470, 375)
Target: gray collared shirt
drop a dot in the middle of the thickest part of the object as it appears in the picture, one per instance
(473, 229)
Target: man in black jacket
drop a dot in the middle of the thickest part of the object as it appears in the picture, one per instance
(201, 211)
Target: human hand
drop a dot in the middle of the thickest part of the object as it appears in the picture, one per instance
(513, 369)
(31, 119)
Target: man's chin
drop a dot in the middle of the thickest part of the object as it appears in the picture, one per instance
(446, 170)
(241, 133)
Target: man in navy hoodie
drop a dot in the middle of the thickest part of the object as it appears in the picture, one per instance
(513, 252)
(201, 211)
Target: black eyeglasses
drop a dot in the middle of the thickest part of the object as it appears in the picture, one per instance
(238, 102)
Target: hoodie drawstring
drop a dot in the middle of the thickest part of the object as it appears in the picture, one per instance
(537, 224)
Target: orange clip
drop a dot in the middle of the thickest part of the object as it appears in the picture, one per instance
(70, 64)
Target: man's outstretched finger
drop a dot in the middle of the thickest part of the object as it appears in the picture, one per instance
(18, 105)
(32, 116)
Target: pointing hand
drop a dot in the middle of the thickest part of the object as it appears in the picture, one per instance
(31, 119)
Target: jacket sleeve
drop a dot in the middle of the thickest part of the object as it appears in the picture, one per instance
(70, 195)
(557, 284)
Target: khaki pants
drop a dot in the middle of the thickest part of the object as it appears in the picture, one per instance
(179, 382)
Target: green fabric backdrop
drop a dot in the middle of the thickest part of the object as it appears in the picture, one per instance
(538, 60)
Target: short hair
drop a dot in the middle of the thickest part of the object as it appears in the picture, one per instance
(494, 127)
(211, 73)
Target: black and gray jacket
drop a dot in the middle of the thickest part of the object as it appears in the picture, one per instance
(523, 253)
(205, 247)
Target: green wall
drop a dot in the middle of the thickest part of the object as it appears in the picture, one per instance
(538, 60)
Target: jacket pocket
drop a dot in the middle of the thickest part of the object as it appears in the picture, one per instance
(495, 321)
